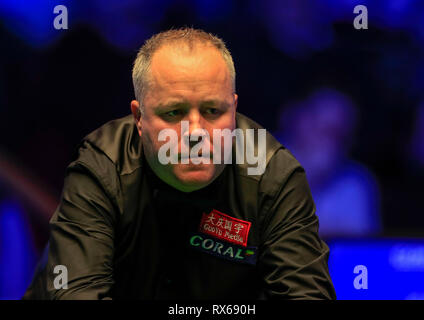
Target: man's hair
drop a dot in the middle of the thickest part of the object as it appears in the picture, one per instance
(186, 36)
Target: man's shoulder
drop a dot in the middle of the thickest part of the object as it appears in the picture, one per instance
(280, 164)
(107, 153)
(278, 159)
(269, 148)
(118, 140)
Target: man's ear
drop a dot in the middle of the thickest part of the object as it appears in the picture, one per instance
(135, 110)
(235, 101)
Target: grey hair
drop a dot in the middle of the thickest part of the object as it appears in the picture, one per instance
(187, 36)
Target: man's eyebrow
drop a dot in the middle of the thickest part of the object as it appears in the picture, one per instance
(171, 104)
(214, 102)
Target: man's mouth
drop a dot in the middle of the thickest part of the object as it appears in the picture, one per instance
(196, 156)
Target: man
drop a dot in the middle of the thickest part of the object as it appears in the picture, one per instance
(131, 226)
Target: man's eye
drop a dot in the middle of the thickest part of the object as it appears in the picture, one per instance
(212, 111)
(173, 113)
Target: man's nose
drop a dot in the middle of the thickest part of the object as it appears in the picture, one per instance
(195, 126)
(194, 121)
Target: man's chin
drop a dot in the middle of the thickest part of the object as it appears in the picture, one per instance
(194, 177)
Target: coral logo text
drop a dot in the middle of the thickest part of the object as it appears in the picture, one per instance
(222, 249)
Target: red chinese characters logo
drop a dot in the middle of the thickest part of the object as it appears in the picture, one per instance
(224, 227)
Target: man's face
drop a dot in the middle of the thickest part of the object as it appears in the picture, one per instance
(187, 86)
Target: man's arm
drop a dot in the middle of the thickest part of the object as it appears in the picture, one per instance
(293, 259)
(81, 239)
